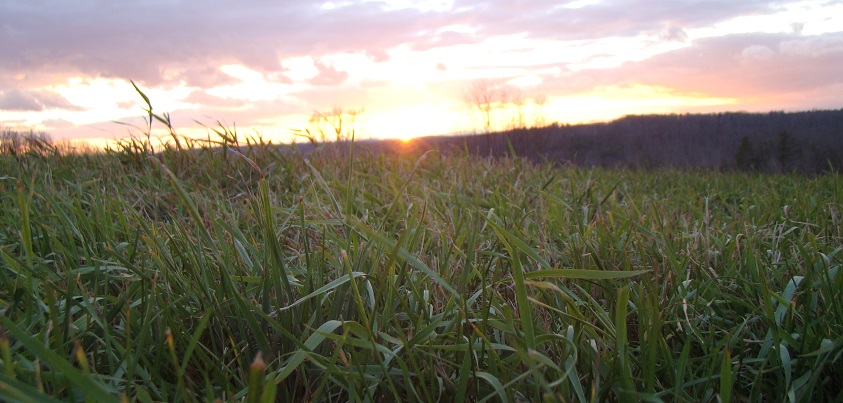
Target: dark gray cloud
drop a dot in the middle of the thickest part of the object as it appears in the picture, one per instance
(34, 100)
(158, 42)
(167, 42)
(16, 100)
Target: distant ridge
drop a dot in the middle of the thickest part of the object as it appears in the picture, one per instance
(804, 142)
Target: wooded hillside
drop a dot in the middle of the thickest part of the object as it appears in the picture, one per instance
(805, 142)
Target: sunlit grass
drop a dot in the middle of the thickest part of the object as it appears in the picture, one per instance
(258, 273)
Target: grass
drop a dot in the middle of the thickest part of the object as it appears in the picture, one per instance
(197, 272)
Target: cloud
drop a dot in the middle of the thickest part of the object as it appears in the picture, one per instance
(548, 19)
(326, 97)
(736, 66)
(16, 100)
(205, 77)
(203, 98)
(327, 75)
(34, 100)
(249, 114)
(448, 38)
(56, 124)
(184, 42)
(673, 34)
(813, 46)
(99, 130)
(377, 55)
(187, 40)
(126, 104)
(13, 123)
(757, 52)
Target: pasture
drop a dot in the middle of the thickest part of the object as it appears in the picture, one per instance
(197, 273)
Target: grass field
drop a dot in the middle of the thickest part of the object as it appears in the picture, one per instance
(201, 273)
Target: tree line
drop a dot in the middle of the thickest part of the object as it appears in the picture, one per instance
(804, 142)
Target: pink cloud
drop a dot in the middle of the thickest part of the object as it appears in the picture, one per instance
(745, 67)
(327, 75)
(377, 55)
(57, 123)
(203, 98)
(187, 41)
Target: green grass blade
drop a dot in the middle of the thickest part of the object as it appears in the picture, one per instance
(324, 289)
(522, 299)
(389, 244)
(726, 376)
(627, 390)
(13, 390)
(310, 344)
(79, 381)
(583, 274)
(496, 384)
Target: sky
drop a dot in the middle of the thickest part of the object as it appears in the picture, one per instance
(411, 66)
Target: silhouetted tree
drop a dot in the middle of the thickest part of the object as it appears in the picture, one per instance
(745, 158)
(503, 107)
(787, 149)
(483, 98)
(338, 125)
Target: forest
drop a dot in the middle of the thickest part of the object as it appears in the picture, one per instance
(808, 142)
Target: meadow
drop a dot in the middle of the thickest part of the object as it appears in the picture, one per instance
(203, 271)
